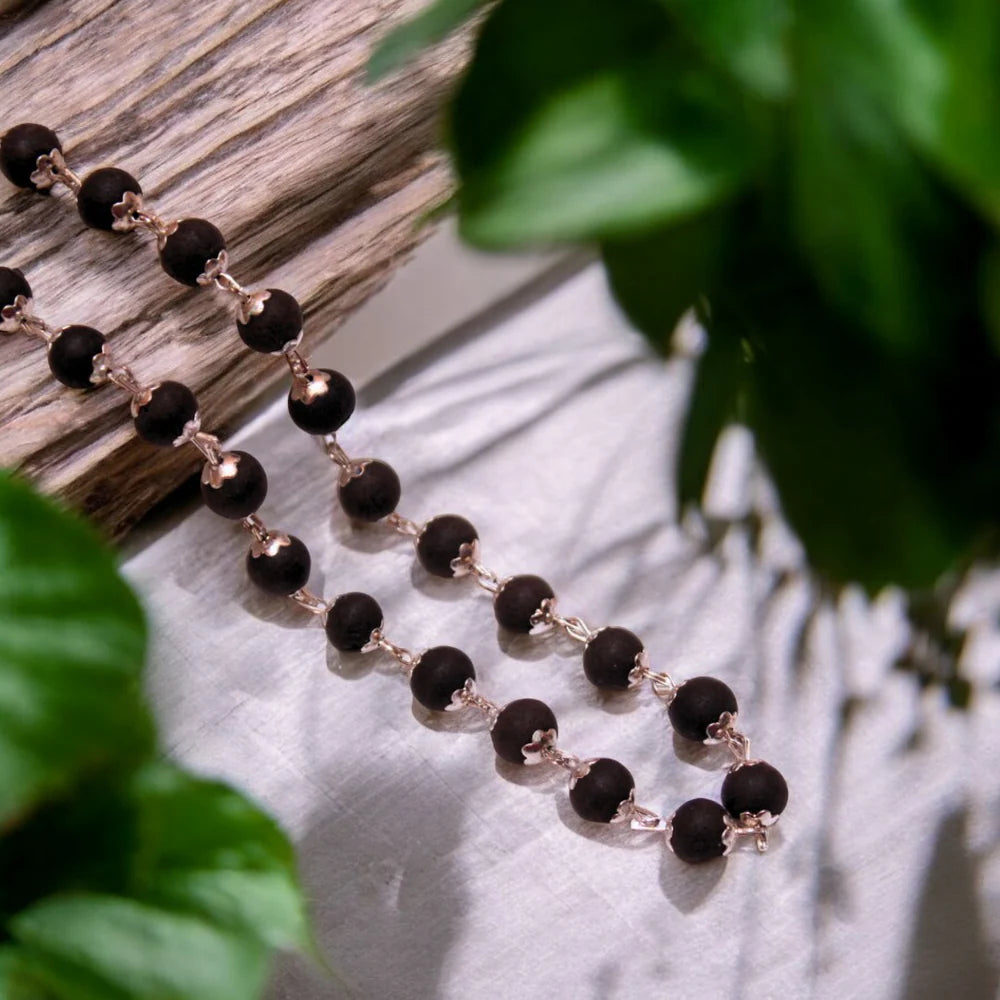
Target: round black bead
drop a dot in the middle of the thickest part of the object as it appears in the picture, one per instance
(351, 620)
(20, 149)
(188, 248)
(329, 404)
(282, 570)
(752, 788)
(241, 494)
(518, 599)
(439, 673)
(99, 191)
(598, 794)
(72, 353)
(697, 704)
(696, 831)
(161, 421)
(12, 284)
(278, 323)
(440, 541)
(372, 495)
(516, 726)
(609, 657)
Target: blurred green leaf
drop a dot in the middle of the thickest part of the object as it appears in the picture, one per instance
(567, 127)
(746, 39)
(205, 849)
(71, 651)
(121, 878)
(92, 947)
(431, 25)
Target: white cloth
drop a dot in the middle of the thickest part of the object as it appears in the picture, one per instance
(432, 870)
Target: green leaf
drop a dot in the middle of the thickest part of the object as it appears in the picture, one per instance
(746, 39)
(658, 276)
(71, 651)
(586, 119)
(205, 849)
(92, 947)
(431, 25)
(887, 469)
(934, 65)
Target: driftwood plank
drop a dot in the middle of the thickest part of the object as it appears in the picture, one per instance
(252, 114)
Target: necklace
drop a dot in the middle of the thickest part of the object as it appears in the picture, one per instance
(193, 252)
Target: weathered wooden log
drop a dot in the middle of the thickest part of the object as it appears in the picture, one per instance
(250, 113)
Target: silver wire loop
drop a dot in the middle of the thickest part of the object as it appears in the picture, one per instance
(51, 169)
(468, 696)
(638, 817)
(576, 628)
(662, 683)
(724, 733)
(468, 564)
(305, 598)
(406, 660)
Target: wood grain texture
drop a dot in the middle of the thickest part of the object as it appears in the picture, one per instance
(251, 114)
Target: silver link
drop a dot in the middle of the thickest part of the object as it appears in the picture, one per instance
(639, 817)
(468, 696)
(349, 467)
(131, 213)
(51, 169)
(724, 733)
(468, 564)
(18, 318)
(305, 598)
(576, 628)
(403, 525)
(662, 683)
(406, 660)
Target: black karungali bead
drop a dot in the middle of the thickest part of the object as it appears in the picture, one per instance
(351, 620)
(161, 421)
(281, 569)
(516, 726)
(372, 495)
(752, 788)
(277, 324)
(328, 405)
(101, 189)
(518, 599)
(72, 353)
(440, 542)
(241, 489)
(20, 149)
(697, 704)
(598, 794)
(696, 831)
(439, 673)
(609, 657)
(187, 250)
(12, 284)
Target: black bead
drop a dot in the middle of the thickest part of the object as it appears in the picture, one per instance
(697, 704)
(161, 421)
(72, 353)
(439, 673)
(281, 570)
(440, 541)
(100, 190)
(696, 831)
(278, 323)
(598, 794)
(20, 149)
(609, 657)
(518, 599)
(12, 284)
(372, 495)
(240, 494)
(189, 248)
(752, 788)
(516, 726)
(351, 620)
(329, 404)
